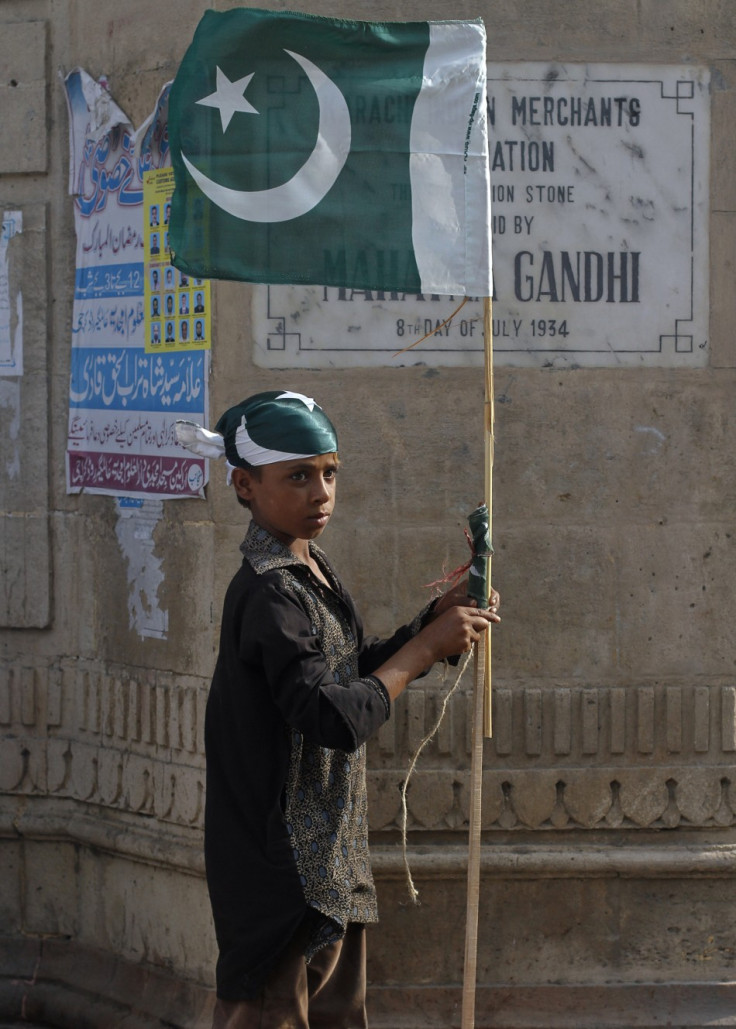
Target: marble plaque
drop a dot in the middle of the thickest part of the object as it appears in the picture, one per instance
(599, 179)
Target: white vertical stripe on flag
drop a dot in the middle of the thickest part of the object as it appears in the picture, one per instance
(449, 165)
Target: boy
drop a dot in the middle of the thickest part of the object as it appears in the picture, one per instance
(296, 692)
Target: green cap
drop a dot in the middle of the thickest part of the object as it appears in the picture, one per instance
(275, 426)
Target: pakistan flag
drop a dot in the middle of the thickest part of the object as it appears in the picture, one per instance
(340, 153)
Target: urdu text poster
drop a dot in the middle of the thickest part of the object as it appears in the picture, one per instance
(123, 400)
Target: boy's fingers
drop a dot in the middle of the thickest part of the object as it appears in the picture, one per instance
(487, 616)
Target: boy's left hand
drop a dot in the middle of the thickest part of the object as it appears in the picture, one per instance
(459, 596)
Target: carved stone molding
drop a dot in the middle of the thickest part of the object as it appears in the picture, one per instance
(562, 757)
(552, 725)
(639, 798)
(114, 738)
(127, 836)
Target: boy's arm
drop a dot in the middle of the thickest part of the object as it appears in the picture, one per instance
(375, 652)
(279, 645)
(452, 631)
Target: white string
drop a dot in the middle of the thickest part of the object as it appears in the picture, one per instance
(413, 892)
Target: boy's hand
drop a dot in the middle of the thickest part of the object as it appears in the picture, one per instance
(456, 623)
(455, 630)
(458, 596)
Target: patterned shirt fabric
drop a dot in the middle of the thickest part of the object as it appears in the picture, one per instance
(292, 704)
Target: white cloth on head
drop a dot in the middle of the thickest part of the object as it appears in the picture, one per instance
(257, 455)
(199, 440)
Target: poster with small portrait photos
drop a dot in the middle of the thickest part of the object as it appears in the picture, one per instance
(176, 306)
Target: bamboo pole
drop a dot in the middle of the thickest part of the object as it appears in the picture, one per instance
(488, 449)
(473, 890)
(482, 722)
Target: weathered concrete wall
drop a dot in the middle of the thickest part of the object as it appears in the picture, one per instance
(610, 795)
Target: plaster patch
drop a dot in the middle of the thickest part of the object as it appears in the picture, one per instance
(655, 436)
(10, 401)
(11, 329)
(137, 521)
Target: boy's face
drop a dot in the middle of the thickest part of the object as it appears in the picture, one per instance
(291, 499)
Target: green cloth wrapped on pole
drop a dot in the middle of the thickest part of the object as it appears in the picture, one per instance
(479, 523)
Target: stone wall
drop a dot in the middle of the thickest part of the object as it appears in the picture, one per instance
(609, 790)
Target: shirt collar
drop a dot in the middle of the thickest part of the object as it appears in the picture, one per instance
(264, 552)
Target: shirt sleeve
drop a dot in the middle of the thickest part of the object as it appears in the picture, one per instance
(276, 634)
(374, 651)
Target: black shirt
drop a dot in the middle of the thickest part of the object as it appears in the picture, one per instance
(291, 705)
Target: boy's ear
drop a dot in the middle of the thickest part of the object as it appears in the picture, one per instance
(241, 479)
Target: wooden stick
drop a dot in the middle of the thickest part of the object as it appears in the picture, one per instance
(482, 722)
(489, 444)
(476, 796)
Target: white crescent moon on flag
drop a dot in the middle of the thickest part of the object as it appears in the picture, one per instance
(315, 178)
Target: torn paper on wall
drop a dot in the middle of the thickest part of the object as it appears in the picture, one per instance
(137, 521)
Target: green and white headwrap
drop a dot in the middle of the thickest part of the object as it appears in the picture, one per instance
(265, 428)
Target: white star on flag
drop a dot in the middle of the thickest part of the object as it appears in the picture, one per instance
(228, 97)
(288, 395)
